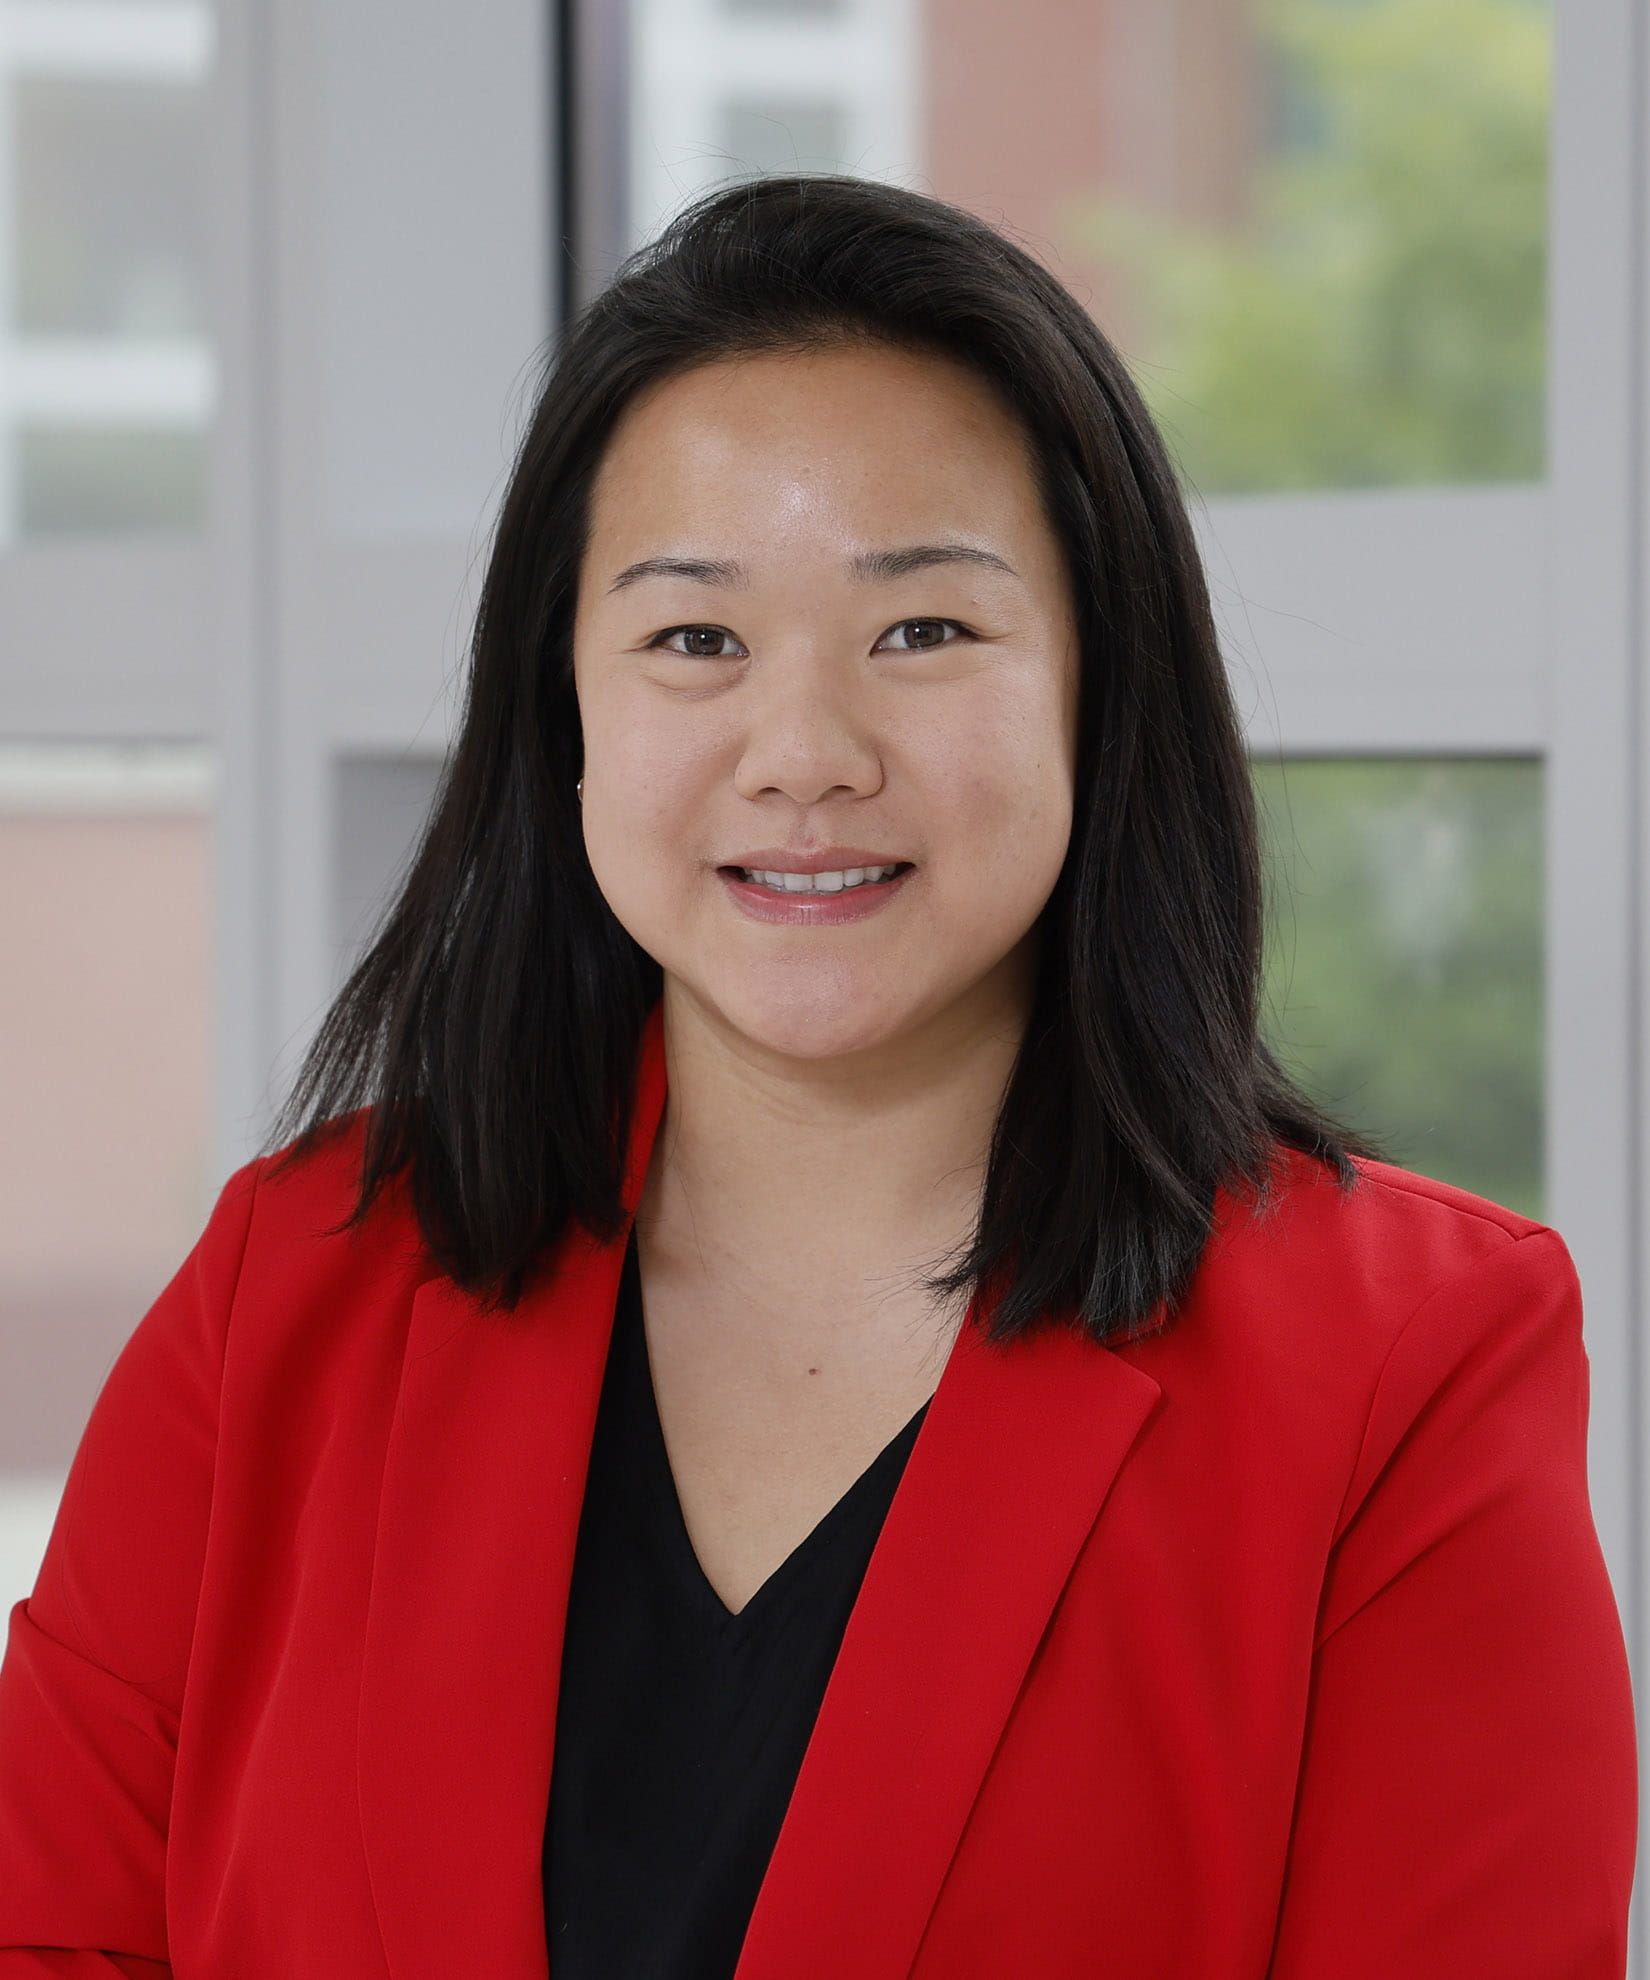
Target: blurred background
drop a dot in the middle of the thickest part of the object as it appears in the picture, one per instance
(274, 284)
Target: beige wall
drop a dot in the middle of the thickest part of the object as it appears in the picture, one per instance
(105, 1057)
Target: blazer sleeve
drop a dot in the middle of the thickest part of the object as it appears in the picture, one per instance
(91, 1689)
(1467, 1803)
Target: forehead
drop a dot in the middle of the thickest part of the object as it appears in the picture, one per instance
(855, 441)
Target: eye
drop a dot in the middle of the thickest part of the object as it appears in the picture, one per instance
(696, 633)
(703, 642)
(925, 627)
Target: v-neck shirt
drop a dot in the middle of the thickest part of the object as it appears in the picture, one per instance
(681, 1725)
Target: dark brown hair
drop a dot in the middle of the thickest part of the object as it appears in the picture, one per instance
(491, 1029)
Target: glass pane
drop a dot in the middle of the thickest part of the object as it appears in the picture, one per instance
(103, 336)
(783, 7)
(90, 480)
(380, 806)
(109, 195)
(783, 134)
(1316, 228)
(1404, 956)
(105, 1058)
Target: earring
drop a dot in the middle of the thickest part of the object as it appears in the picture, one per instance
(579, 787)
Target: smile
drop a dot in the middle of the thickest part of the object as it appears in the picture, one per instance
(815, 900)
(819, 883)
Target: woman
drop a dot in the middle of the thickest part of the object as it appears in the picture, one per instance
(809, 1401)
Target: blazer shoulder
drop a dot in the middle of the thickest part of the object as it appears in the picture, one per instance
(304, 1213)
(1351, 1264)
(1308, 1205)
(1402, 1193)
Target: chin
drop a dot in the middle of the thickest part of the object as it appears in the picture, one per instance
(831, 1017)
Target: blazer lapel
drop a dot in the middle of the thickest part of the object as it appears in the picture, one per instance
(478, 1521)
(1005, 1480)
(477, 1525)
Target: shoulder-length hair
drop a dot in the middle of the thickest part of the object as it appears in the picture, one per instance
(492, 1028)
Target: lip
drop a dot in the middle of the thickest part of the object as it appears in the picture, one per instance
(829, 859)
(758, 903)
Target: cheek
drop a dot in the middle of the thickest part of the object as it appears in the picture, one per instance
(647, 779)
(1003, 785)
(648, 762)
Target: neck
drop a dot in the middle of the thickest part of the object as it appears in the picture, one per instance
(790, 1173)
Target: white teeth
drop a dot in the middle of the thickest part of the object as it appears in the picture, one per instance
(822, 883)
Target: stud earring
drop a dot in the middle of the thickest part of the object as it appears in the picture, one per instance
(579, 787)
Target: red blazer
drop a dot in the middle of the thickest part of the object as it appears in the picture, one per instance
(1279, 1647)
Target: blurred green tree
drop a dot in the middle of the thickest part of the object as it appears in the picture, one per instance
(1404, 968)
(1380, 319)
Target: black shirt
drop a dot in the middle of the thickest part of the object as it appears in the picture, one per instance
(681, 1726)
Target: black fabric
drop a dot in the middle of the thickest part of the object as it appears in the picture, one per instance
(681, 1727)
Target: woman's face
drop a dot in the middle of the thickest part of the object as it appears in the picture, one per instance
(823, 624)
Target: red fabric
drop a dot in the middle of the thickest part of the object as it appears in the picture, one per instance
(1277, 1648)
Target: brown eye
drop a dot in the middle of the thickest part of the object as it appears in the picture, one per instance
(924, 633)
(710, 635)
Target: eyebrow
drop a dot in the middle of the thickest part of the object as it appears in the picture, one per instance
(870, 566)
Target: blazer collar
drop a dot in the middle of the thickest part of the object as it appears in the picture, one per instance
(478, 1521)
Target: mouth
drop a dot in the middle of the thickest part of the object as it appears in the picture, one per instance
(844, 880)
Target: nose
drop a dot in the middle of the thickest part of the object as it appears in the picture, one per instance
(808, 734)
